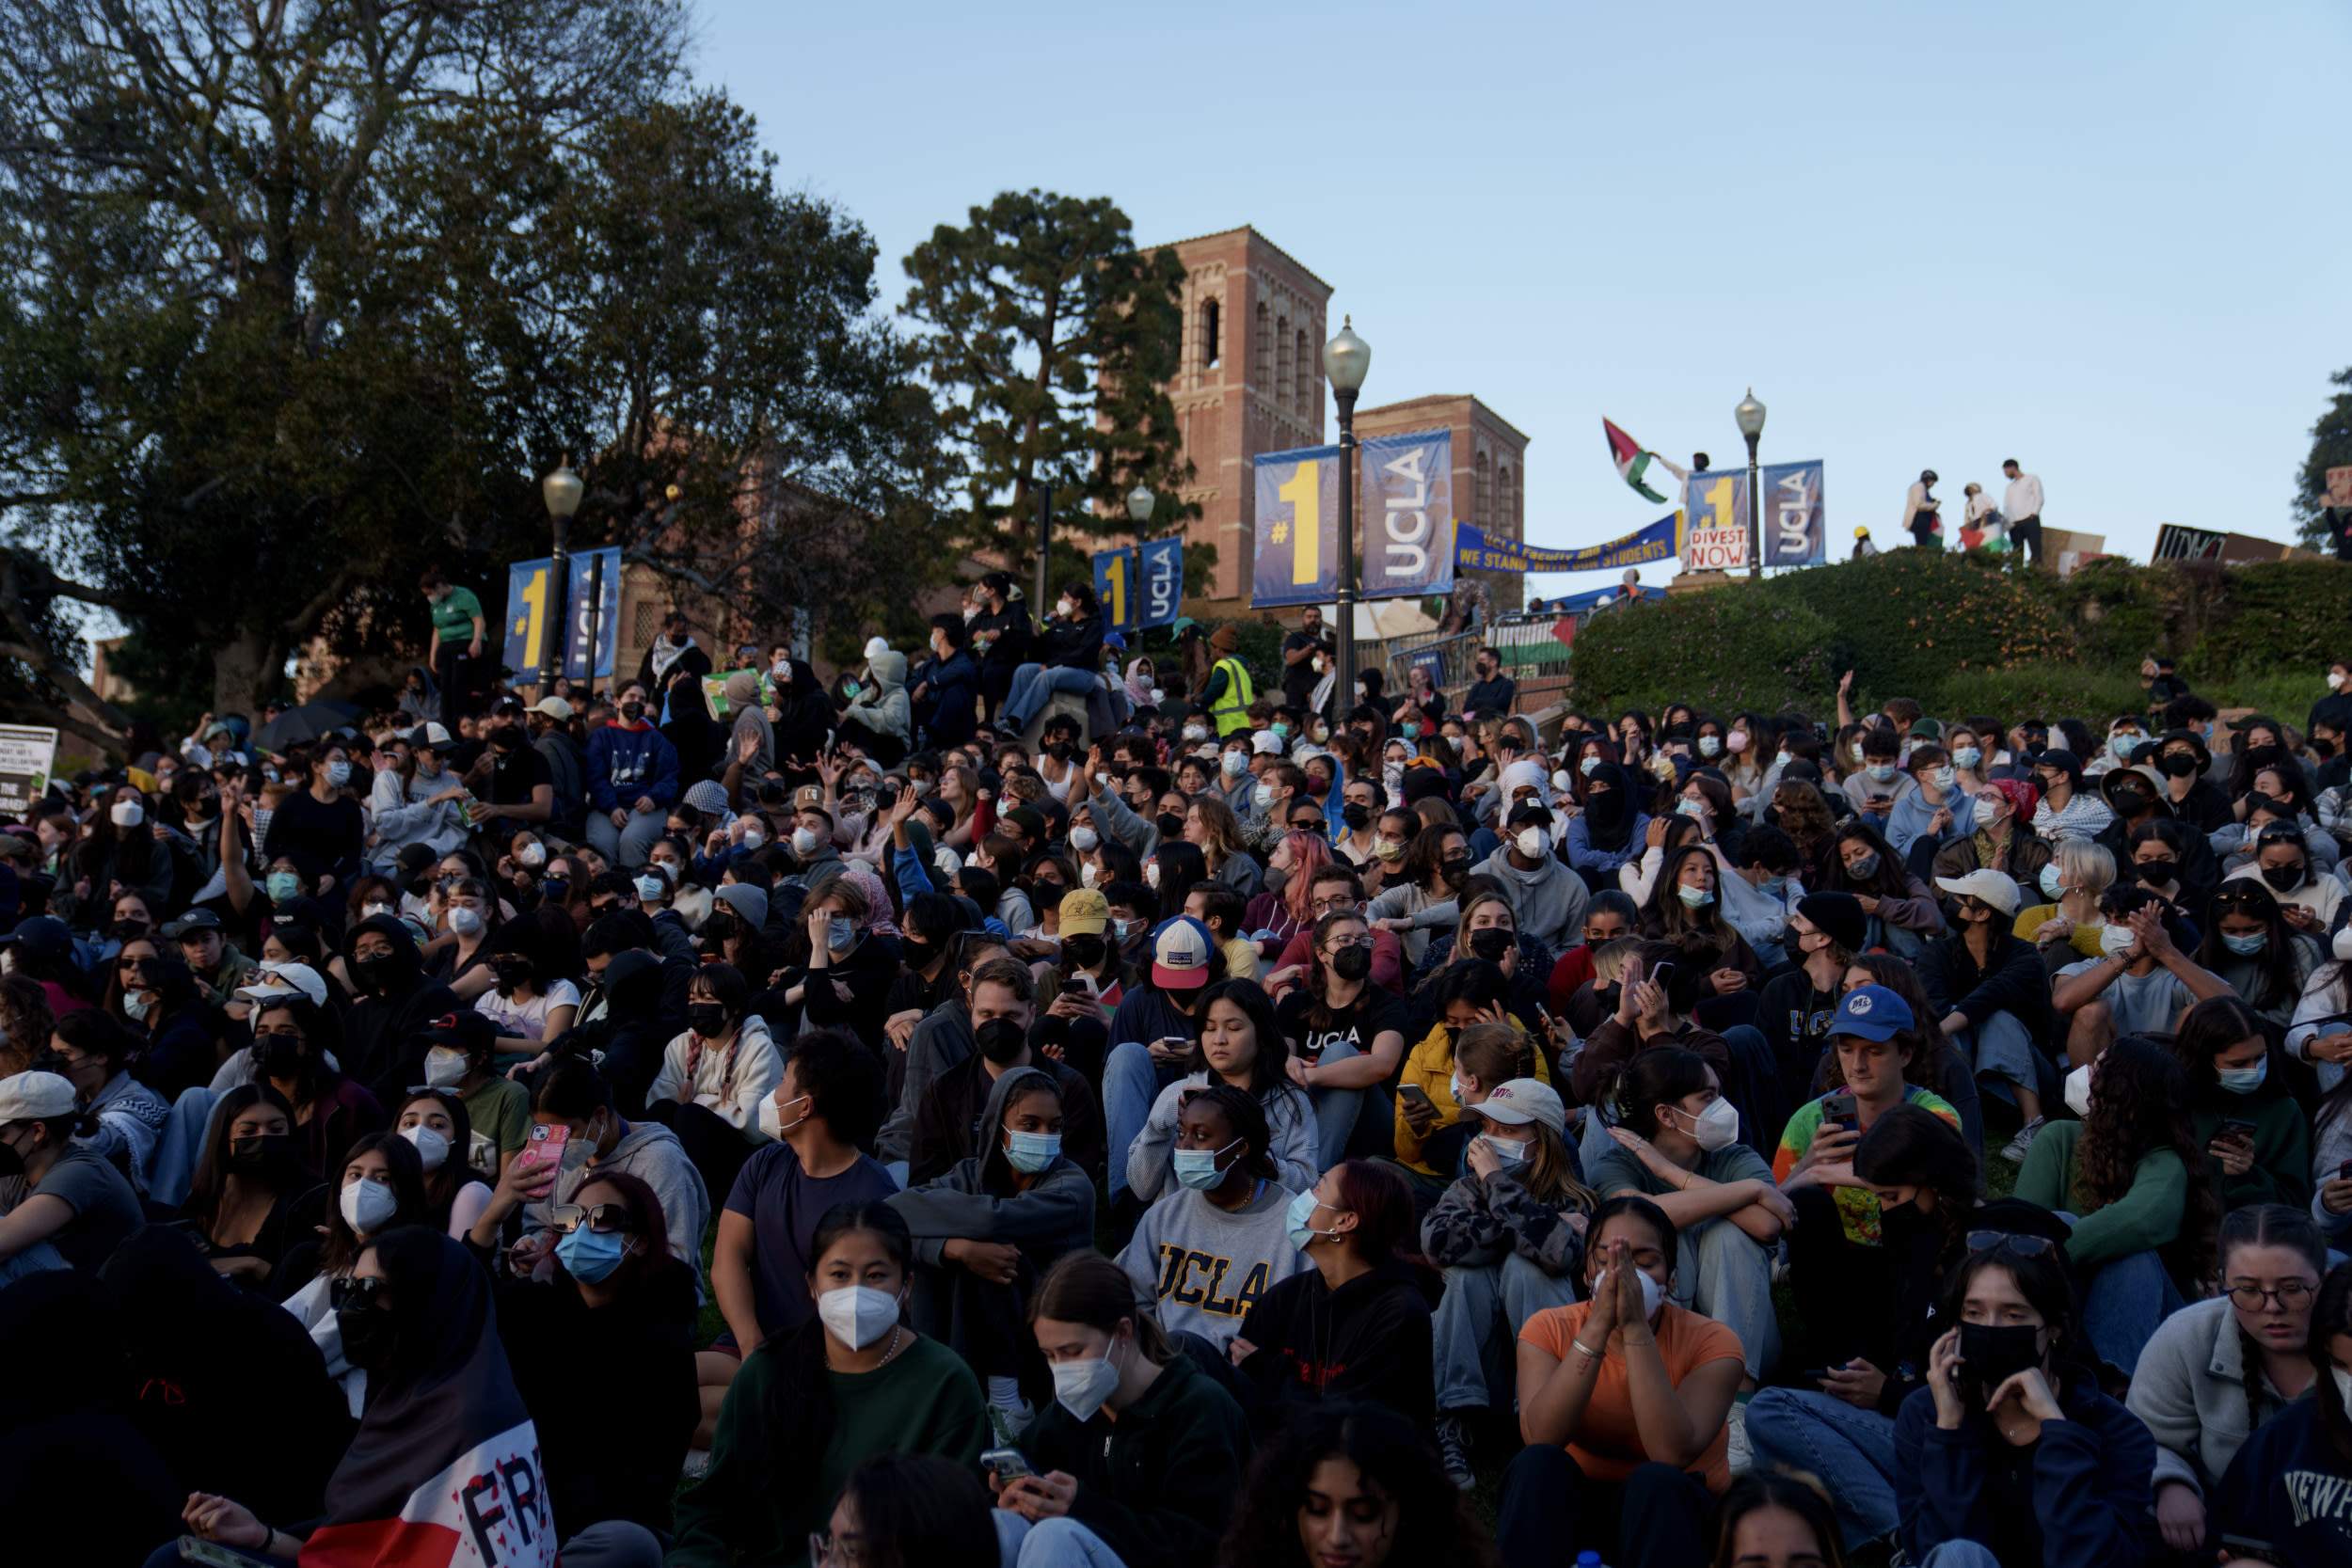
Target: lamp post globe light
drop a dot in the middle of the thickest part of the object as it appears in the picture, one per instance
(1750, 414)
(562, 490)
(1346, 359)
(1140, 502)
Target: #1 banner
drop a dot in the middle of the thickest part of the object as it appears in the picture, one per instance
(1298, 528)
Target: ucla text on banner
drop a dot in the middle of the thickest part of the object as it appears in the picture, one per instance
(1795, 528)
(1408, 515)
(1114, 588)
(531, 619)
(1472, 548)
(1298, 528)
(1159, 581)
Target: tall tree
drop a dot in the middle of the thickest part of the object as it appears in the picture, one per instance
(1051, 340)
(2332, 448)
(756, 431)
(258, 257)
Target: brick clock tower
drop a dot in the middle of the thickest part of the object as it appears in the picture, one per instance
(1252, 381)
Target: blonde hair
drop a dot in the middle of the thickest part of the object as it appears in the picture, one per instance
(2088, 867)
(1224, 829)
(1610, 957)
(1477, 902)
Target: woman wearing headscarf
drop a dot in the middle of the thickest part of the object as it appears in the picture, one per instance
(197, 1349)
(1610, 831)
(752, 728)
(446, 1449)
(803, 722)
(687, 725)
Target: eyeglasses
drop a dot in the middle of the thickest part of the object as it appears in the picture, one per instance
(2291, 1294)
(355, 1294)
(826, 1552)
(1337, 903)
(604, 1219)
(2010, 1241)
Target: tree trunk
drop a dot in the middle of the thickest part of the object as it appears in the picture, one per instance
(245, 671)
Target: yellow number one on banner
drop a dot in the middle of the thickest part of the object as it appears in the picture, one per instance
(1719, 505)
(535, 601)
(1119, 591)
(1304, 491)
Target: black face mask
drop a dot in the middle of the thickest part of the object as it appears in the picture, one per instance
(2129, 802)
(632, 711)
(260, 1154)
(2179, 764)
(1989, 1353)
(374, 970)
(1170, 825)
(368, 1336)
(1354, 961)
(128, 929)
(280, 1056)
(513, 973)
(553, 889)
(1490, 943)
(1087, 951)
(1000, 1039)
(1608, 995)
(11, 1162)
(1061, 751)
(1456, 871)
(916, 952)
(504, 740)
(2283, 878)
(1357, 815)
(1603, 806)
(2323, 749)
(2035, 748)
(706, 1019)
(2262, 756)
(2155, 873)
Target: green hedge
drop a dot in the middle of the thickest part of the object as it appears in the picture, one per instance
(1975, 632)
(1723, 649)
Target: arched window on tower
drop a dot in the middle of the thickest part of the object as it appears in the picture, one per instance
(1264, 376)
(1210, 348)
(1306, 379)
(1481, 493)
(1505, 510)
(1279, 392)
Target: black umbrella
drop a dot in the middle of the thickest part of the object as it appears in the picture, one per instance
(308, 722)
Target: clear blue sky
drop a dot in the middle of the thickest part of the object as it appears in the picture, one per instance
(2104, 238)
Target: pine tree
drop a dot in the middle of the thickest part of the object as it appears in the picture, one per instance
(2332, 448)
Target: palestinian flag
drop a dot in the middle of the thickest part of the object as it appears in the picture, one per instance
(1627, 454)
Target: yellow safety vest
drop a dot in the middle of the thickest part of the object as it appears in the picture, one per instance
(1232, 708)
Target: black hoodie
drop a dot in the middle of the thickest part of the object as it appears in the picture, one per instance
(637, 1023)
(1369, 1339)
(384, 1043)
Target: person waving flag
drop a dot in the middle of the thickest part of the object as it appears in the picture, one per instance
(1630, 459)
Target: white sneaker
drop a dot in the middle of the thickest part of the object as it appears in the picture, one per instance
(2015, 1151)
(1742, 1457)
(1453, 1443)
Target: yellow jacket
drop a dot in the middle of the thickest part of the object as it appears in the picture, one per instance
(1430, 1065)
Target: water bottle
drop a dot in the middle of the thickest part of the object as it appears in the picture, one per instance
(1589, 1559)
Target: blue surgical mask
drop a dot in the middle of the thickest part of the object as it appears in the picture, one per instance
(339, 773)
(1196, 1168)
(1509, 1150)
(1968, 756)
(1774, 886)
(2245, 947)
(1881, 771)
(2123, 746)
(591, 1256)
(1688, 807)
(1589, 766)
(2242, 1080)
(1694, 897)
(283, 885)
(2052, 884)
(840, 931)
(1301, 1219)
(1031, 1152)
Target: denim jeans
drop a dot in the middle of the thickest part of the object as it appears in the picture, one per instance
(1032, 684)
(1130, 1084)
(1959, 1554)
(1852, 1449)
(186, 1127)
(1476, 1327)
(1336, 1110)
(1061, 1543)
(2123, 1304)
(626, 847)
(1726, 1275)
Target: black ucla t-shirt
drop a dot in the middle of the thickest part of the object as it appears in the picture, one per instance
(1373, 1014)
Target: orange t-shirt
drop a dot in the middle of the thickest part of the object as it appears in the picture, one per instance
(1607, 1444)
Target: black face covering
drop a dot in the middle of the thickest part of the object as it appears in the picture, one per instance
(1490, 943)
(280, 1056)
(368, 1336)
(1000, 1039)
(513, 971)
(1457, 870)
(2179, 764)
(2262, 756)
(706, 1019)
(1604, 806)
(129, 928)
(260, 1154)
(916, 952)
(12, 1161)
(1357, 815)
(1354, 961)
(1990, 1354)
(1086, 951)
(1170, 825)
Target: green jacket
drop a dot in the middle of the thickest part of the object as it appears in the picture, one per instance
(2143, 1219)
(2282, 1149)
(925, 1400)
(1157, 1483)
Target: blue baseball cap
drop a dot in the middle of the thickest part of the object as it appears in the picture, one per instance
(1873, 1012)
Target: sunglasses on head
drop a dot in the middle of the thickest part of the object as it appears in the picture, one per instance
(355, 1294)
(2021, 1246)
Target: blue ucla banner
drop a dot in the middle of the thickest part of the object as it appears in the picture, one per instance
(1472, 548)
(1795, 530)
(1408, 515)
(1141, 586)
(1298, 528)
(532, 614)
(1159, 581)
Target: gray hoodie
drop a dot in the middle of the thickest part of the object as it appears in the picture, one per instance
(882, 706)
(1548, 902)
(1207, 1266)
(1055, 1216)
